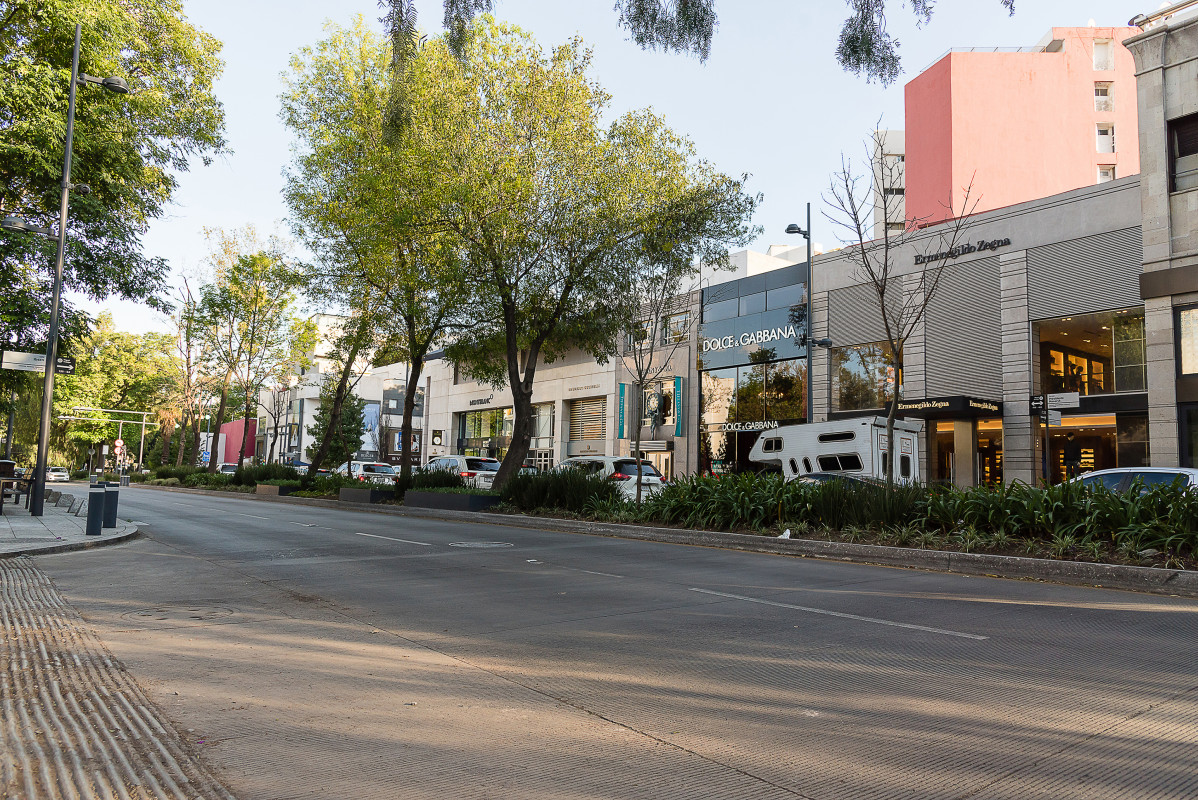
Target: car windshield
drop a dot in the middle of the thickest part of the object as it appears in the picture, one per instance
(629, 468)
(1150, 479)
(59, 470)
(379, 469)
(482, 465)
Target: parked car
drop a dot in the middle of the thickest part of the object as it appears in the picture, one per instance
(226, 469)
(368, 471)
(1121, 479)
(476, 471)
(622, 470)
(57, 474)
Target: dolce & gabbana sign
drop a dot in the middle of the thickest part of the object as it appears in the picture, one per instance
(749, 337)
(962, 250)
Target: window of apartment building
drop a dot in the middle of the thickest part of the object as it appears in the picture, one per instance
(895, 191)
(1104, 55)
(1106, 173)
(1183, 142)
(1104, 99)
(1093, 354)
(1105, 137)
(866, 376)
(897, 227)
(638, 336)
(895, 158)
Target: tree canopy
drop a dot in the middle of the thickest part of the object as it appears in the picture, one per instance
(864, 46)
(127, 148)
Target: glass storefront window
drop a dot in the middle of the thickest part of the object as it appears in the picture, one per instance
(866, 375)
(1085, 443)
(1093, 354)
(1188, 417)
(737, 403)
(786, 296)
(486, 433)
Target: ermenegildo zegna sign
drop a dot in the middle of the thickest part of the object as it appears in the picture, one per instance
(962, 250)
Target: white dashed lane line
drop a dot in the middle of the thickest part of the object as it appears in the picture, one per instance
(391, 539)
(843, 615)
(255, 516)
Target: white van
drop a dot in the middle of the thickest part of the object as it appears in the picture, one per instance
(854, 447)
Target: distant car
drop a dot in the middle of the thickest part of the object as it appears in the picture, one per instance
(1121, 479)
(621, 470)
(528, 469)
(477, 472)
(57, 474)
(368, 471)
(226, 469)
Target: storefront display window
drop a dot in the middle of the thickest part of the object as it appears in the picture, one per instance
(486, 433)
(738, 403)
(1188, 418)
(866, 376)
(1093, 354)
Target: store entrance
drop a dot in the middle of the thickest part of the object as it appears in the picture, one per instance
(1081, 444)
(663, 463)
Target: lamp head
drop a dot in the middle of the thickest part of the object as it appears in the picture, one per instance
(115, 85)
(793, 228)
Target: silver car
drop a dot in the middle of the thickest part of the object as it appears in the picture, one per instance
(1121, 479)
(476, 471)
(57, 474)
(368, 471)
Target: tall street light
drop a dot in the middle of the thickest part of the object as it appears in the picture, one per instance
(806, 234)
(117, 85)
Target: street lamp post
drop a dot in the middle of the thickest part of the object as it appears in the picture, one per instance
(38, 493)
(806, 234)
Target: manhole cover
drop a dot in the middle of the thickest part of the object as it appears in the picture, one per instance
(178, 614)
(480, 544)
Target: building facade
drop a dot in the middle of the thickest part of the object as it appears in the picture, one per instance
(1020, 123)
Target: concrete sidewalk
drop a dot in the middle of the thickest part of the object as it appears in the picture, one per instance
(61, 527)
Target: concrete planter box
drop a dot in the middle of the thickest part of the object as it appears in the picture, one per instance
(273, 491)
(355, 495)
(447, 501)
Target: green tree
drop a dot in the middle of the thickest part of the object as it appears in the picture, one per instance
(688, 26)
(359, 195)
(553, 210)
(128, 148)
(343, 431)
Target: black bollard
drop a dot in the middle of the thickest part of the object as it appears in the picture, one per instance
(95, 510)
(111, 490)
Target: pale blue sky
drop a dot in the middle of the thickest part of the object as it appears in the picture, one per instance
(770, 101)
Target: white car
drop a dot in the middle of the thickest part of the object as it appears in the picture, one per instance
(622, 470)
(1120, 479)
(368, 471)
(226, 469)
(57, 474)
(476, 471)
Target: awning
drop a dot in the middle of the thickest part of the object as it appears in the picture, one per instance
(952, 407)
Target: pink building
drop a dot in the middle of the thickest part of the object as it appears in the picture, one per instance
(1021, 125)
(231, 438)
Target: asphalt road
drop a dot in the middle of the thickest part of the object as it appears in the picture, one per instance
(323, 653)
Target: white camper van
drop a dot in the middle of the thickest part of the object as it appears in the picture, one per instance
(855, 447)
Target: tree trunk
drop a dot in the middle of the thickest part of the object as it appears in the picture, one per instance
(334, 422)
(890, 414)
(274, 438)
(195, 442)
(409, 408)
(166, 442)
(220, 420)
(245, 431)
(521, 410)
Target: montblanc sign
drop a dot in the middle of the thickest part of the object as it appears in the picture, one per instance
(749, 337)
(962, 250)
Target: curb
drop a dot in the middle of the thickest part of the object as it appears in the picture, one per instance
(1152, 580)
(66, 547)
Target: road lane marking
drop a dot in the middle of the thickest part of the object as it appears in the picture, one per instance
(843, 615)
(392, 539)
(592, 572)
(301, 524)
(255, 516)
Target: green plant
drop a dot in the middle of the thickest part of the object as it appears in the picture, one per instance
(568, 490)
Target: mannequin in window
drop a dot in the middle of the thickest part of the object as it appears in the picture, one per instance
(1073, 456)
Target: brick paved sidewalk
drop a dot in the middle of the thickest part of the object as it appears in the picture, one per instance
(75, 724)
(62, 526)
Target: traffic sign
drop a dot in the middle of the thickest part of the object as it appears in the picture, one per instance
(119, 442)
(35, 362)
(1054, 419)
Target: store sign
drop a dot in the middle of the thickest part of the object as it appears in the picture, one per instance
(483, 401)
(962, 250)
(957, 404)
(584, 388)
(741, 427)
(750, 338)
